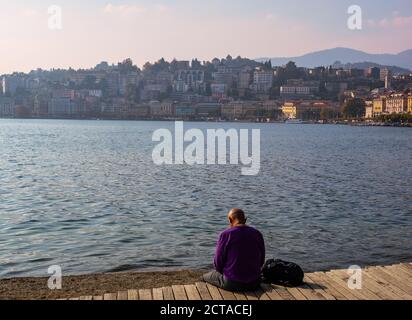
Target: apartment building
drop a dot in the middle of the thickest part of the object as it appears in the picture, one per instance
(262, 80)
(397, 103)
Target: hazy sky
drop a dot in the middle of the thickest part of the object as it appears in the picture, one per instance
(111, 30)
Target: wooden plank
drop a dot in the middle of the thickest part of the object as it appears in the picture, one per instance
(203, 291)
(285, 294)
(240, 296)
(342, 288)
(309, 293)
(158, 294)
(226, 295)
(318, 288)
(179, 292)
(132, 294)
(396, 282)
(270, 292)
(250, 295)
(168, 294)
(362, 294)
(321, 280)
(261, 294)
(122, 295)
(377, 288)
(401, 270)
(296, 294)
(110, 296)
(145, 294)
(214, 292)
(192, 293)
(399, 273)
(386, 284)
(406, 266)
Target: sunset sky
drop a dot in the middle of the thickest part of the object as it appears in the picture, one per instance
(112, 30)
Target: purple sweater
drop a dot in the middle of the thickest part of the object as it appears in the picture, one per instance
(240, 254)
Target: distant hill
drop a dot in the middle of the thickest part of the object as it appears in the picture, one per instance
(344, 56)
(367, 65)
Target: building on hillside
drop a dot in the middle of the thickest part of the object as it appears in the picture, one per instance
(64, 93)
(238, 110)
(153, 92)
(219, 90)
(374, 73)
(410, 103)
(397, 103)
(129, 79)
(117, 108)
(41, 105)
(262, 80)
(270, 109)
(307, 110)
(336, 87)
(11, 83)
(113, 83)
(384, 74)
(192, 80)
(185, 111)
(299, 89)
(61, 106)
(379, 106)
(161, 109)
(245, 80)
(7, 107)
(224, 75)
(369, 109)
(208, 110)
(139, 111)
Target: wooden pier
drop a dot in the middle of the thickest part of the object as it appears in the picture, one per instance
(378, 283)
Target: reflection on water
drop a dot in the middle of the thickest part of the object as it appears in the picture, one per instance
(87, 196)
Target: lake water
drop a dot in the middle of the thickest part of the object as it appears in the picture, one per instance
(86, 195)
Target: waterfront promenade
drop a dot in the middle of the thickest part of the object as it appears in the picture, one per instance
(392, 282)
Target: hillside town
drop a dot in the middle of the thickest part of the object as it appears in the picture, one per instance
(229, 89)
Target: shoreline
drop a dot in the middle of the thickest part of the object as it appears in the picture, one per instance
(358, 123)
(35, 288)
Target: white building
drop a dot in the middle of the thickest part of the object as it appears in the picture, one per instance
(262, 80)
(299, 89)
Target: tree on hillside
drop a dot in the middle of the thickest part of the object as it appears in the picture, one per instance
(127, 66)
(291, 71)
(354, 108)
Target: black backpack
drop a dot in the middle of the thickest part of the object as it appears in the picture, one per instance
(283, 273)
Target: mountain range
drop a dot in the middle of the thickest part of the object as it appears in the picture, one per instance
(345, 56)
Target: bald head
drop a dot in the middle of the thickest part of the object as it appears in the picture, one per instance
(237, 217)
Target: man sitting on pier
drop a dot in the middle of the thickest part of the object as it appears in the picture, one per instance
(240, 255)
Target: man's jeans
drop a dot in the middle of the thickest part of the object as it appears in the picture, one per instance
(216, 279)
